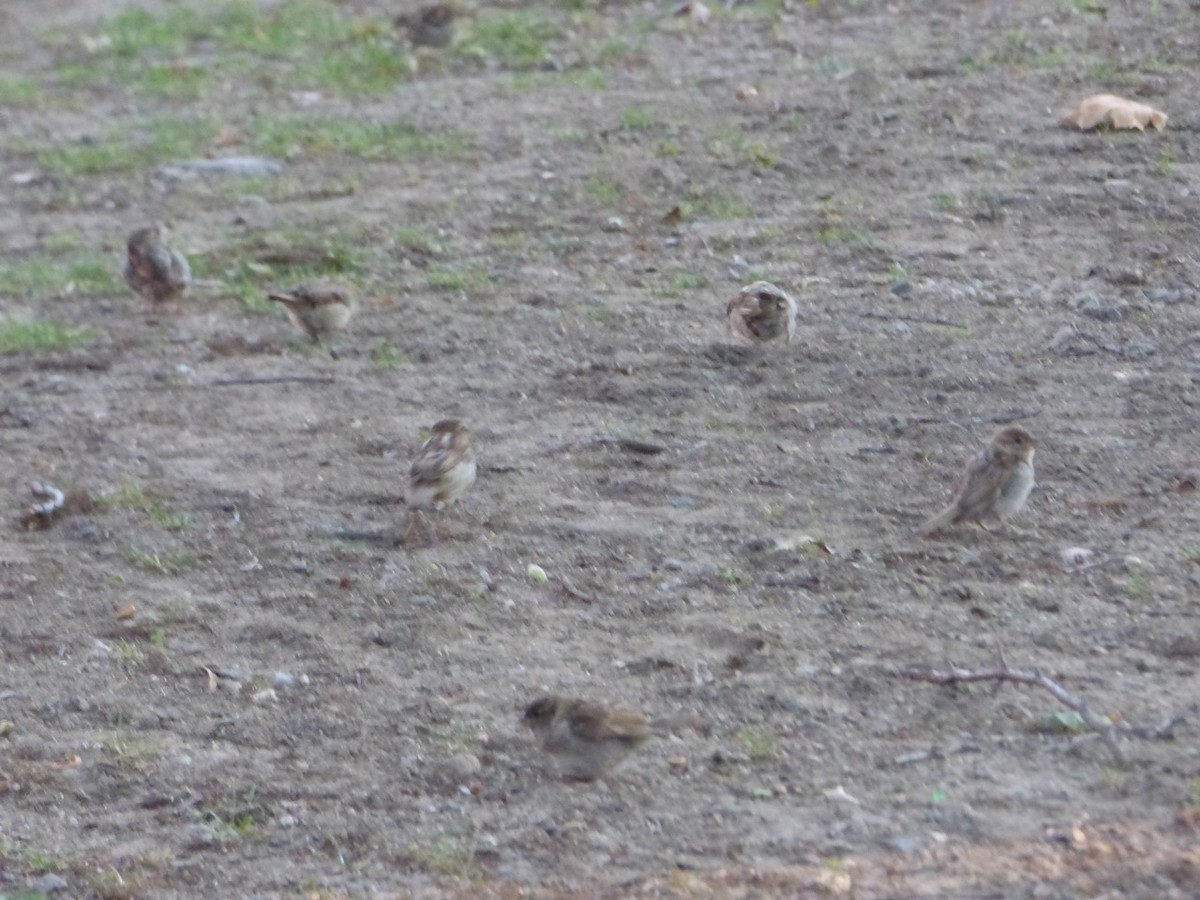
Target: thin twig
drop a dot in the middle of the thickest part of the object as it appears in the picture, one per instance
(272, 379)
(955, 675)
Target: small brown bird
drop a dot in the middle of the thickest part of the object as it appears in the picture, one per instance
(444, 467)
(432, 25)
(587, 739)
(153, 269)
(320, 308)
(996, 483)
(762, 312)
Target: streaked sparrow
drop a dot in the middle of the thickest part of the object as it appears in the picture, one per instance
(152, 269)
(586, 739)
(996, 483)
(762, 312)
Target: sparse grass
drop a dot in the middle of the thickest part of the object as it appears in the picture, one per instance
(59, 271)
(33, 861)
(1139, 586)
(516, 40)
(128, 653)
(309, 43)
(131, 754)
(718, 204)
(168, 564)
(452, 857)
(449, 739)
(1191, 554)
(237, 816)
(387, 358)
(602, 190)
(946, 201)
(40, 336)
(447, 278)
(639, 118)
(326, 136)
(680, 284)
(760, 743)
(18, 90)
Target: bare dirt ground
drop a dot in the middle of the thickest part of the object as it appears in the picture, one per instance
(286, 713)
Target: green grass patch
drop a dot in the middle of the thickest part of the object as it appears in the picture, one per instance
(124, 150)
(39, 336)
(16, 90)
(448, 278)
(516, 40)
(372, 141)
(44, 277)
(306, 43)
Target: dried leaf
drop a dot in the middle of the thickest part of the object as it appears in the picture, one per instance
(1113, 112)
(126, 612)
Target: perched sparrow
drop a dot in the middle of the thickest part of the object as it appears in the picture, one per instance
(432, 25)
(762, 312)
(444, 466)
(995, 484)
(320, 308)
(588, 739)
(152, 268)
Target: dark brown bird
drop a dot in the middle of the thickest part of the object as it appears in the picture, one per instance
(996, 482)
(431, 25)
(588, 740)
(153, 269)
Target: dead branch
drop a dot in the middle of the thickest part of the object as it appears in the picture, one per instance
(955, 675)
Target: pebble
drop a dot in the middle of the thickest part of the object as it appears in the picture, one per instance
(48, 884)
(284, 679)
(1099, 307)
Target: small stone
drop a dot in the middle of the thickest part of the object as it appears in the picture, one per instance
(901, 288)
(907, 845)
(1099, 307)
(463, 766)
(284, 679)
(266, 695)
(49, 884)
(614, 223)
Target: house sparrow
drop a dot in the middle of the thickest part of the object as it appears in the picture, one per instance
(443, 468)
(587, 739)
(995, 484)
(320, 308)
(762, 312)
(432, 25)
(153, 269)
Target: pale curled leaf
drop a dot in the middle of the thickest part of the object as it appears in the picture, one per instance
(1114, 112)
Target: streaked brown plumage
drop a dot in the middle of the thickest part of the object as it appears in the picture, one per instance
(443, 468)
(587, 740)
(996, 482)
(319, 308)
(762, 312)
(154, 270)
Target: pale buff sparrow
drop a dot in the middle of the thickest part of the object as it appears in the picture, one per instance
(996, 483)
(152, 269)
(320, 308)
(586, 739)
(762, 312)
(444, 467)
